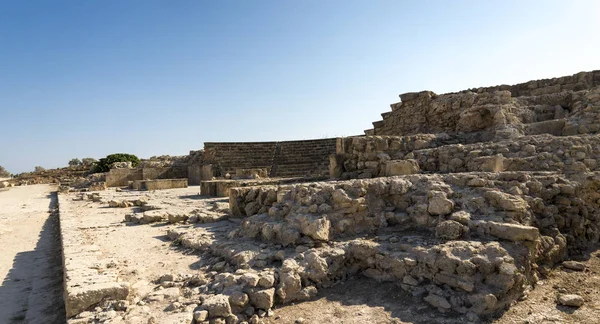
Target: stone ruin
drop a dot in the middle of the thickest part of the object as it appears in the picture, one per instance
(465, 199)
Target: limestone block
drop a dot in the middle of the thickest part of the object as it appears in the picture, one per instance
(439, 204)
(401, 167)
(262, 299)
(217, 306)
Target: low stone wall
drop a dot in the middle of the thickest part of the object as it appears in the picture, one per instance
(161, 184)
(349, 207)
(121, 177)
(84, 285)
(221, 188)
(539, 153)
(173, 172)
(373, 156)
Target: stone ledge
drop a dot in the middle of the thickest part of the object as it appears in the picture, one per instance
(84, 284)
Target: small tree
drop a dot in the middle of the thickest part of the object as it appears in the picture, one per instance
(103, 165)
(39, 169)
(75, 162)
(88, 161)
(4, 173)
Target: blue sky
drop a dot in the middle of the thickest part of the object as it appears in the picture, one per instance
(90, 78)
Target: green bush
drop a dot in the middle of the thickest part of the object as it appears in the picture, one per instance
(75, 162)
(103, 165)
(4, 173)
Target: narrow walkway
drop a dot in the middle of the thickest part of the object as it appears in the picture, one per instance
(30, 257)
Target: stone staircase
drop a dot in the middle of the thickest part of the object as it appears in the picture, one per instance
(231, 156)
(427, 112)
(282, 159)
(304, 158)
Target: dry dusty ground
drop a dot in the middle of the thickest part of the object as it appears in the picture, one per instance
(30, 257)
(140, 253)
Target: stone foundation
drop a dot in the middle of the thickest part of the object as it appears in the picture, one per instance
(84, 285)
(161, 184)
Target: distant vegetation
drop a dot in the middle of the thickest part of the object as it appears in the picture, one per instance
(4, 173)
(103, 165)
(39, 169)
(75, 162)
(88, 161)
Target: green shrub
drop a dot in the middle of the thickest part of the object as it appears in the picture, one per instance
(4, 173)
(75, 162)
(103, 165)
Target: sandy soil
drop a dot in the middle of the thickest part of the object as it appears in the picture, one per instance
(140, 253)
(30, 259)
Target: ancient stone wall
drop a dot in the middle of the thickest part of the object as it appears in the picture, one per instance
(172, 172)
(122, 177)
(475, 241)
(576, 82)
(373, 156)
(487, 109)
(161, 184)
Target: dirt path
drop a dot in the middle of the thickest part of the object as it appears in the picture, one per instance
(30, 259)
(140, 254)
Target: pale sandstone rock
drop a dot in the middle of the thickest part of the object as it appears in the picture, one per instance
(439, 204)
(318, 228)
(401, 167)
(513, 232)
(450, 230)
(217, 306)
(571, 300)
(574, 265)
(262, 299)
(238, 298)
(505, 201)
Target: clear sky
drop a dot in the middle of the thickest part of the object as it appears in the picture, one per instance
(89, 78)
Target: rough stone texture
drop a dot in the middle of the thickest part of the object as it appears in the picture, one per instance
(262, 299)
(491, 229)
(220, 188)
(84, 284)
(450, 230)
(401, 167)
(489, 108)
(217, 306)
(364, 158)
(571, 300)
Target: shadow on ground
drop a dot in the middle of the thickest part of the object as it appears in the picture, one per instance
(33, 289)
